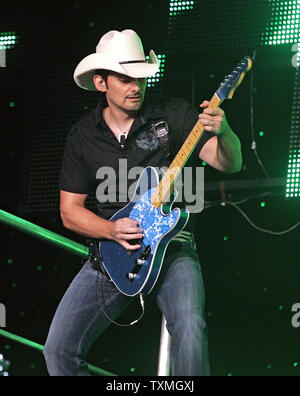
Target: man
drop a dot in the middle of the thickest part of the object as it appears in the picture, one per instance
(121, 127)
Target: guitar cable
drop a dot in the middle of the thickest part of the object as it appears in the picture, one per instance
(108, 317)
(253, 143)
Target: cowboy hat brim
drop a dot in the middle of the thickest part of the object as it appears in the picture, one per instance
(84, 72)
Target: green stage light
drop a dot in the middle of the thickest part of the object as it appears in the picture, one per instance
(285, 22)
(293, 169)
(178, 7)
(8, 40)
(293, 176)
(158, 77)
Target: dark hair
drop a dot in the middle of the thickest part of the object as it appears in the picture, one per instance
(103, 73)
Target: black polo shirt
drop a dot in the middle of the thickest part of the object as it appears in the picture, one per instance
(91, 149)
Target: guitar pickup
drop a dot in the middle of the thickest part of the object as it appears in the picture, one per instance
(140, 261)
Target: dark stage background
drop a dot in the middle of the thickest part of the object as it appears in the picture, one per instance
(251, 276)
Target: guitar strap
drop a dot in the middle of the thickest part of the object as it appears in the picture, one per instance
(94, 257)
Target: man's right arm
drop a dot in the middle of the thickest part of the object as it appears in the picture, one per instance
(76, 217)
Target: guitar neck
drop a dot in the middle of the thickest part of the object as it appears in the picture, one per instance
(164, 189)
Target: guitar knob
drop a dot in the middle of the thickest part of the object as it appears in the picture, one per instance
(131, 276)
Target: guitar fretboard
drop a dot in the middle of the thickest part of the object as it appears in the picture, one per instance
(164, 189)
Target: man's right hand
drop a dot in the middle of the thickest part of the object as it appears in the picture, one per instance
(124, 230)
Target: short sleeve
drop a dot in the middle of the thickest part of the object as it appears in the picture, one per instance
(73, 174)
(182, 118)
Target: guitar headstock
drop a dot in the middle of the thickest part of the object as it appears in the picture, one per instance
(233, 80)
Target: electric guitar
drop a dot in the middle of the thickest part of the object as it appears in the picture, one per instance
(136, 272)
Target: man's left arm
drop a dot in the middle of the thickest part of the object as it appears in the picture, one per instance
(223, 151)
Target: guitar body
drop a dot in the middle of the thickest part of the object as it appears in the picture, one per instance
(144, 264)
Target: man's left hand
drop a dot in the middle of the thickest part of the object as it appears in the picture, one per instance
(213, 119)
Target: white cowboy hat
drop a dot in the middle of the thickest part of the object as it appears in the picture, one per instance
(121, 52)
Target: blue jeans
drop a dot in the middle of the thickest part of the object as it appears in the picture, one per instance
(79, 320)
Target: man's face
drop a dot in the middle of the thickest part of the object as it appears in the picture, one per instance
(125, 93)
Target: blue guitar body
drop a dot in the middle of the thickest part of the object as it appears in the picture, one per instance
(137, 271)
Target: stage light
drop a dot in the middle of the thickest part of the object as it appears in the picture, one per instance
(285, 22)
(8, 40)
(293, 171)
(158, 77)
(269, 22)
(177, 7)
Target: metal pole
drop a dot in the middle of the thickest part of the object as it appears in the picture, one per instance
(44, 234)
(55, 239)
(38, 347)
(164, 350)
